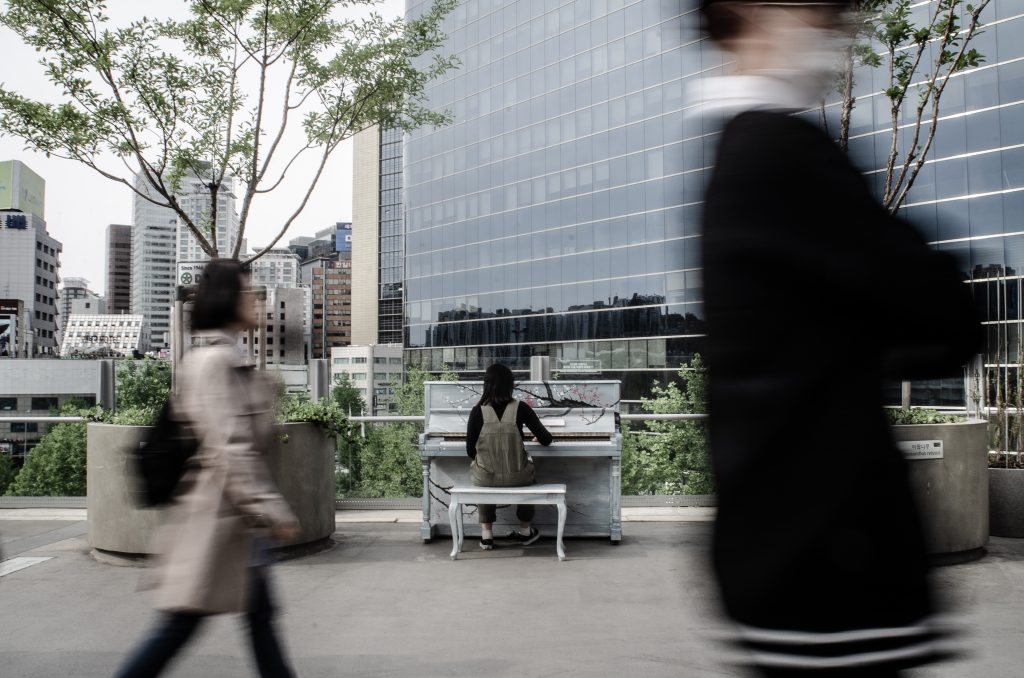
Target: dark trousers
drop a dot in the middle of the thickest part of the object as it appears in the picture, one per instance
(175, 629)
(487, 512)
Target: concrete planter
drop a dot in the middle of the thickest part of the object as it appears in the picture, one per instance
(952, 491)
(1006, 502)
(302, 467)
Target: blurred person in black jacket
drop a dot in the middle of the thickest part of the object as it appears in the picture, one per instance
(814, 295)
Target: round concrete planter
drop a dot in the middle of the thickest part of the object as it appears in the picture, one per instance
(1006, 502)
(952, 492)
(302, 466)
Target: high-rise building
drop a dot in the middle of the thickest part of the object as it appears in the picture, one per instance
(194, 197)
(160, 241)
(332, 304)
(119, 268)
(29, 259)
(154, 242)
(74, 289)
(377, 250)
(557, 214)
(968, 199)
(300, 246)
(365, 234)
(560, 213)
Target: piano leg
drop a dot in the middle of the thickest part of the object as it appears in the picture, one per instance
(455, 520)
(426, 529)
(559, 547)
(462, 527)
(616, 501)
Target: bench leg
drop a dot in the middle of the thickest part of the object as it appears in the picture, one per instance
(462, 527)
(559, 547)
(453, 519)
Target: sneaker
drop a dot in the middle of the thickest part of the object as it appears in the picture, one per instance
(486, 544)
(524, 539)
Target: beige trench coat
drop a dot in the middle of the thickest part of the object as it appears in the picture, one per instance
(205, 546)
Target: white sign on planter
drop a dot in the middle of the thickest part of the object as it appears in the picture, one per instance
(921, 449)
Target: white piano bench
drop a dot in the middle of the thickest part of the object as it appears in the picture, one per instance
(531, 494)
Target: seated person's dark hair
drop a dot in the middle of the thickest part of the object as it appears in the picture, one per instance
(220, 289)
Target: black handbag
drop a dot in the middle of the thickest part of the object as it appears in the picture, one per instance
(161, 459)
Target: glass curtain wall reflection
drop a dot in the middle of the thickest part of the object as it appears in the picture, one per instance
(969, 197)
(558, 214)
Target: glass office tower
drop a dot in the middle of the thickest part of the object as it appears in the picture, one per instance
(559, 214)
(969, 198)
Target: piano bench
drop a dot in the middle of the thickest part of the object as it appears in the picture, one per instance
(531, 494)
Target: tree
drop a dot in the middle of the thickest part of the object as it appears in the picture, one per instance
(670, 457)
(56, 466)
(145, 385)
(920, 59)
(347, 396)
(221, 95)
(388, 461)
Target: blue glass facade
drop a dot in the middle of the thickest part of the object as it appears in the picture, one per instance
(559, 214)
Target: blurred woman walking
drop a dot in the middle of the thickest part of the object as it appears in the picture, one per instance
(212, 548)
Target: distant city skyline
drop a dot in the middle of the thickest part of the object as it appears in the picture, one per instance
(80, 204)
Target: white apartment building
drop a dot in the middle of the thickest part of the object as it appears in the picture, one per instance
(95, 335)
(29, 259)
(277, 268)
(371, 369)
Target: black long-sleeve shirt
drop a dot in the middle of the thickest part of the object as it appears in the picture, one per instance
(525, 416)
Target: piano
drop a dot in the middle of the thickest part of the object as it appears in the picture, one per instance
(586, 454)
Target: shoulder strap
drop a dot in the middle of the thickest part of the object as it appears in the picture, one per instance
(489, 414)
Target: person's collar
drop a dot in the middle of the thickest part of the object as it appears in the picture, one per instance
(215, 338)
(735, 94)
(222, 338)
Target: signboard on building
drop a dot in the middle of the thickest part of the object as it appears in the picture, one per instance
(343, 238)
(9, 312)
(21, 189)
(189, 272)
(578, 366)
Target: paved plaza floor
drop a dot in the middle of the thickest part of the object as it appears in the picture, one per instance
(382, 603)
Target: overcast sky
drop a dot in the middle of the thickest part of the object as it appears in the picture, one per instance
(80, 203)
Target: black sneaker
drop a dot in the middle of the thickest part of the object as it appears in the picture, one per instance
(486, 544)
(524, 539)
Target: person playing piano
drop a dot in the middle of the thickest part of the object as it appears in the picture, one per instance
(494, 441)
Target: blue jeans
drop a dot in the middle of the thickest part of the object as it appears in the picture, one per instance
(175, 629)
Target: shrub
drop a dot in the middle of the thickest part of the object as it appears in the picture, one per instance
(144, 385)
(921, 416)
(670, 457)
(56, 467)
(7, 472)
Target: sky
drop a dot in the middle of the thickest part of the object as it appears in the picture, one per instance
(80, 203)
